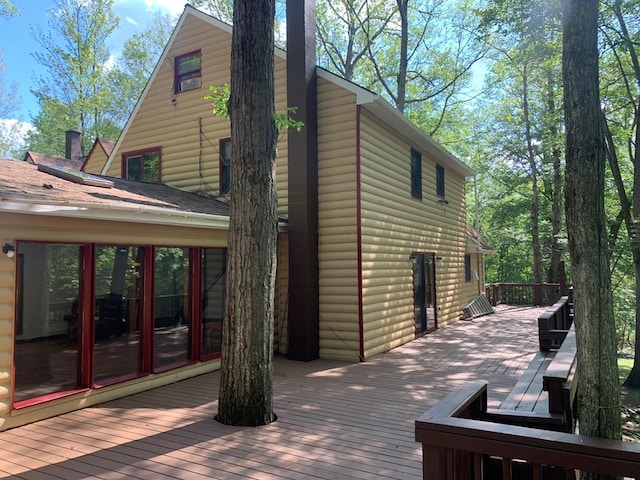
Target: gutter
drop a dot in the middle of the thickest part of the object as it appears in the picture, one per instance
(140, 214)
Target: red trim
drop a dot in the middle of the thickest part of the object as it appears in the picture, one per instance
(196, 301)
(177, 76)
(87, 314)
(134, 153)
(147, 337)
(46, 398)
(359, 232)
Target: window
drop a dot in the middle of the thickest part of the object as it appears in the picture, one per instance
(467, 268)
(92, 315)
(416, 174)
(118, 322)
(172, 322)
(440, 181)
(225, 166)
(142, 166)
(187, 72)
(48, 339)
(214, 274)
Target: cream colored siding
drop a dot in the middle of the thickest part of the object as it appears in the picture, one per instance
(393, 226)
(475, 287)
(7, 299)
(182, 125)
(337, 217)
(96, 161)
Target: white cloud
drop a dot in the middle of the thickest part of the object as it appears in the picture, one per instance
(131, 21)
(12, 138)
(173, 6)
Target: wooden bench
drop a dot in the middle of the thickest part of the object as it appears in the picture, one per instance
(545, 395)
(554, 324)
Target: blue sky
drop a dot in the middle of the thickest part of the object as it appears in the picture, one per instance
(17, 43)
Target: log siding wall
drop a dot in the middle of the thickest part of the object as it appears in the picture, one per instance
(393, 226)
(337, 229)
(183, 125)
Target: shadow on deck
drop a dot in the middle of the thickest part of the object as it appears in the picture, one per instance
(336, 420)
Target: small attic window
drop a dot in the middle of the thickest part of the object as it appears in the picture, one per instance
(188, 75)
(75, 176)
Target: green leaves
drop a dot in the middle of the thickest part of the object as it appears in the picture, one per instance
(220, 108)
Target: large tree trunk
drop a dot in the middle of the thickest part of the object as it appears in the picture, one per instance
(246, 394)
(599, 395)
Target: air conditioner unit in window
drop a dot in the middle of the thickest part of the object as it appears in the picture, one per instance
(190, 84)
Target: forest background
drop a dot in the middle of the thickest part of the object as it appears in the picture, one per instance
(481, 77)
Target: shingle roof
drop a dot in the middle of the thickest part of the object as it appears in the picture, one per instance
(42, 159)
(22, 182)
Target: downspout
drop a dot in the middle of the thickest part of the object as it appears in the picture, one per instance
(359, 233)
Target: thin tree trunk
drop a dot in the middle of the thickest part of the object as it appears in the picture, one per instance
(535, 197)
(599, 395)
(401, 98)
(246, 394)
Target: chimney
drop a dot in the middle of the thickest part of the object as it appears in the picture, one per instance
(304, 314)
(73, 145)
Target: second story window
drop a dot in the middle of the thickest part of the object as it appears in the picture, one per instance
(225, 166)
(416, 174)
(187, 70)
(440, 181)
(142, 166)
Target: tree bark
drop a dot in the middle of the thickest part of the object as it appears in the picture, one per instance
(599, 395)
(246, 392)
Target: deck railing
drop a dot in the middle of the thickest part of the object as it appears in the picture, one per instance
(459, 443)
(524, 293)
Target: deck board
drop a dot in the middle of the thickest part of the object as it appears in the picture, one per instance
(336, 420)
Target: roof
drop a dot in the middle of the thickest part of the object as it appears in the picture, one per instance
(42, 159)
(25, 189)
(475, 242)
(367, 99)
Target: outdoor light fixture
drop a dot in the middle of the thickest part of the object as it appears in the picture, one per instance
(9, 250)
(439, 260)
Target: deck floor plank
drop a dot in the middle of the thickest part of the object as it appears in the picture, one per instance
(336, 420)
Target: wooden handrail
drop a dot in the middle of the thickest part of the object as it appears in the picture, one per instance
(458, 443)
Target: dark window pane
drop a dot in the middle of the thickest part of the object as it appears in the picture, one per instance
(467, 268)
(134, 168)
(47, 345)
(118, 312)
(416, 174)
(214, 268)
(188, 63)
(440, 181)
(172, 313)
(225, 166)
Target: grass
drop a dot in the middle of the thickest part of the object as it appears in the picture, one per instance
(631, 397)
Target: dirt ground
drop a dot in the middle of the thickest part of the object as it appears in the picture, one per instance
(630, 415)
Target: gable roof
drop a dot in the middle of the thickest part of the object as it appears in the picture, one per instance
(373, 102)
(35, 158)
(103, 144)
(476, 243)
(25, 189)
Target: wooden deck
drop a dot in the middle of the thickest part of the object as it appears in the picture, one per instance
(336, 420)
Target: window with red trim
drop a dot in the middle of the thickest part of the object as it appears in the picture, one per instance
(188, 74)
(143, 166)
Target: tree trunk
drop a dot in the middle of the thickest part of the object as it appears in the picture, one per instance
(401, 98)
(556, 202)
(246, 394)
(599, 395)
(535, 197)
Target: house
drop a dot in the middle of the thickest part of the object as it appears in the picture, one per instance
(129, 265)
